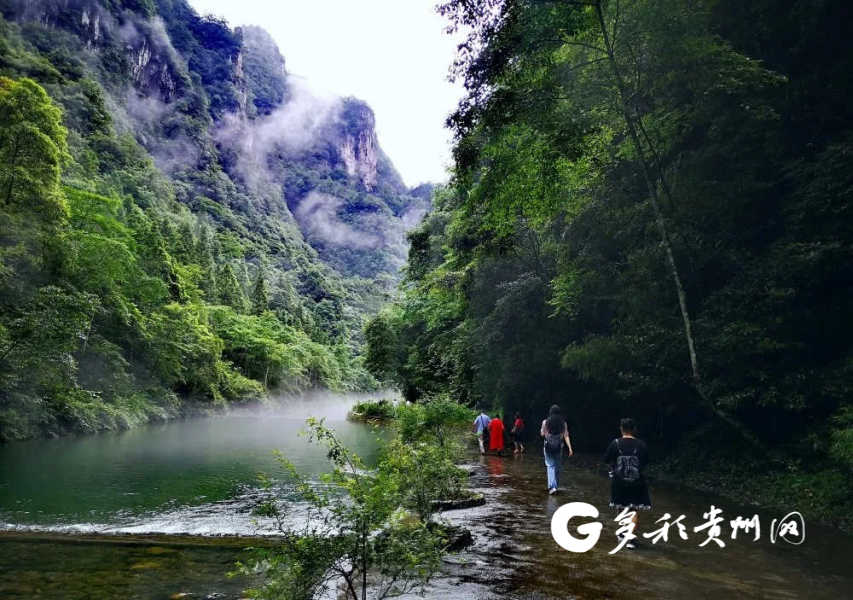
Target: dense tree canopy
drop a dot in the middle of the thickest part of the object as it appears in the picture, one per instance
(649, 215)
(138, 279)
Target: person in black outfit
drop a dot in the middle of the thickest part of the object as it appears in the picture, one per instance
(627, 457)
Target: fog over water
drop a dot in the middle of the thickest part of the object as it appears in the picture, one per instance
(196, 476)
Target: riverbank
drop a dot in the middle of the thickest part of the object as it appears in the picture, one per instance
(819, 495)
(138, 411)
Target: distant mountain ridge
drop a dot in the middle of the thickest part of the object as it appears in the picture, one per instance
(200, 95)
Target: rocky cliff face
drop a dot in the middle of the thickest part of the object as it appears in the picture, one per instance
(357, 144)
(203, 98)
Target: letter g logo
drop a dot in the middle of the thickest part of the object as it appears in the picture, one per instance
(560, 527)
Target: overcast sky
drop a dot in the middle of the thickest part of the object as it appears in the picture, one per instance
(392, 53)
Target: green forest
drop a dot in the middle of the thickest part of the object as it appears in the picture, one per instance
(650, 216)
(241, 355)
(145, 272)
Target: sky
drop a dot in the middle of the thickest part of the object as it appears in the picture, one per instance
(394, 54)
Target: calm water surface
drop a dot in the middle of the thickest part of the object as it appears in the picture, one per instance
(158, 511)
(186, 476)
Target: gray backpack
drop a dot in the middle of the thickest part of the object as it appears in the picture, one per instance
(627, 469)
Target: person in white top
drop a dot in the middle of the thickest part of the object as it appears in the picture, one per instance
(481, 423)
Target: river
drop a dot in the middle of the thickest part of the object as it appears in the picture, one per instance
(165, 510)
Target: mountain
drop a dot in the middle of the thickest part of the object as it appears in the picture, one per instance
(241, 190)
(200, 96)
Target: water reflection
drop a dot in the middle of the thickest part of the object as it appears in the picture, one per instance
(152, 474)
(514, 555)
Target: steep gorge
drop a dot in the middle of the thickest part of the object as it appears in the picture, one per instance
(256, 196)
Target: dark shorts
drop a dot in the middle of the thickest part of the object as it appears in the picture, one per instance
(635, 497)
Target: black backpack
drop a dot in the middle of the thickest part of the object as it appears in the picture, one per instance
(554, 441)
(627, 469)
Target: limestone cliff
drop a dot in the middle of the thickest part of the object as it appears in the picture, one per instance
(217, 110)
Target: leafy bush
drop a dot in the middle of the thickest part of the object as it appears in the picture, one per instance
(374, 410)
(432, 420)
(356, 534)
(425, 472)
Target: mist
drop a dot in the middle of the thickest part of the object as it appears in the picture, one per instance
(291, 128)
(319, 403)
(317, 214)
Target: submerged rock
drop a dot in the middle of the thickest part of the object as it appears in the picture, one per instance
(146, 564)
(471, 501)
(458, 538)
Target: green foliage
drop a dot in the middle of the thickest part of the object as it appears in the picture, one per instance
(357, 533)
(841, 437)
(32, 151)
(622, 171)
(264, 69)
(260, 294)
(374, 410)
(276, 354)
(380, 358)
(425, 472)
(230, 291)
(106, 285)
(173, 278)
(432, 420)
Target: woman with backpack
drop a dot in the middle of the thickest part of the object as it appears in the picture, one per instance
(555, 432)
(627, 456)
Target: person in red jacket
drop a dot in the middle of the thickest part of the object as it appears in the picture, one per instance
(496, 435)
(517, 433)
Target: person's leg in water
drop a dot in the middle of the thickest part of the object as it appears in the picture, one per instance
(480, 441)
(552, 467)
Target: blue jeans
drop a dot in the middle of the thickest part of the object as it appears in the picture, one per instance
(552, 466)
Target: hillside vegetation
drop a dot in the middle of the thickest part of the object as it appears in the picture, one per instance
(650, 215)
(182, 223)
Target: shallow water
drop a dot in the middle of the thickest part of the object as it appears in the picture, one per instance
(141, 514)
(78, 567)
(515, 556)
(85, 518)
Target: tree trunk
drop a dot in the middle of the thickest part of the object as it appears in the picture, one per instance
(655, 201)
(651, 181)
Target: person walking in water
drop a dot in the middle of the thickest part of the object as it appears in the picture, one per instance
(480, 424)
(627, 456)
(496, 435)
(517, 432)
(555, 432)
